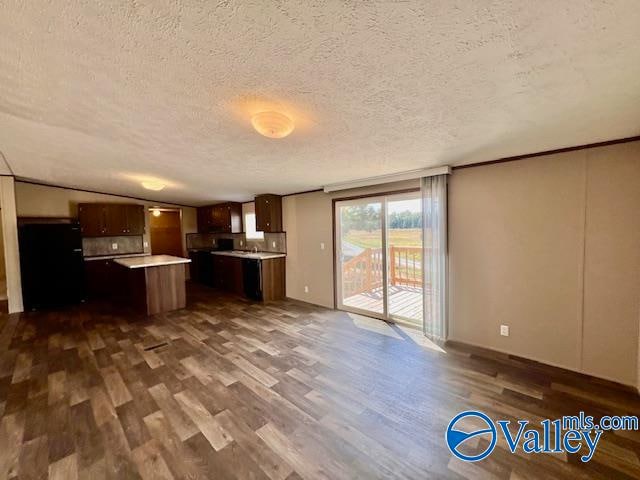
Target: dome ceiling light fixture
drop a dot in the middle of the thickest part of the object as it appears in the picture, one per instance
(156, 212)
(272, 124)
(155, 186)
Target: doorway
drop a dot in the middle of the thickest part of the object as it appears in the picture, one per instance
(379, 248)
(165, 231)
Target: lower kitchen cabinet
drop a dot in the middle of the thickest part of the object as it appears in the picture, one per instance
(264, 279)
(201, 267)
(256, 279)
(194, 267)
(104, 279)
(273, 279)
(227, 273)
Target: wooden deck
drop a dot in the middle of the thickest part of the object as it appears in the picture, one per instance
(404, 301)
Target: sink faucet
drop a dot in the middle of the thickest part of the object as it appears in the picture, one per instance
(255, 249)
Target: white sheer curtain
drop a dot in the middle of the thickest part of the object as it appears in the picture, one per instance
(434, 258)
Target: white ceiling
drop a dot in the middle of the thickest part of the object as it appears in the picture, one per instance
(100, 95)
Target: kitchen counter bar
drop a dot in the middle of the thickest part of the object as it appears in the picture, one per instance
(115, 256)
(150, 261)
(155, 283)
(251, 255)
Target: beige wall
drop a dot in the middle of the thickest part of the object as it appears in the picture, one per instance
(308, 222)
(551, 247)
(515, 257)
(44, 201)
(612, 263)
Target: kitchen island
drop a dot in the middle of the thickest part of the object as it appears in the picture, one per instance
(155, 283)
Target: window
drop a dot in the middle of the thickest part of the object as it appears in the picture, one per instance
(250, 227)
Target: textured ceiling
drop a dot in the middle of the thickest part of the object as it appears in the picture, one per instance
(102, 94)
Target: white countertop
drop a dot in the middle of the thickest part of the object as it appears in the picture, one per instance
(150, 261)
(252, 255)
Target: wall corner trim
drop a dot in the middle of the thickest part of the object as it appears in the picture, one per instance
(11, 247)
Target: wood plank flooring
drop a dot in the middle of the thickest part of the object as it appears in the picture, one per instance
(228, 388)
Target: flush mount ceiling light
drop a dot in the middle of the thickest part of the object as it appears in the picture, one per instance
(156, 212)
(272, 124)
(155, 186)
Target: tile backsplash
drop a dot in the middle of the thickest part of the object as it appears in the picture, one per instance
(97, 246)
(273, 242)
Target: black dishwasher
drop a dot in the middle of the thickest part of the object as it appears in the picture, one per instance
(252, 278)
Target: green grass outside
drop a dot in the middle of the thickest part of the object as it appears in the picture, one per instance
(401, 237)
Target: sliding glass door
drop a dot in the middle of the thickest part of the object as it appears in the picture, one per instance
(404, 257)
(360, 256)
(379, 256)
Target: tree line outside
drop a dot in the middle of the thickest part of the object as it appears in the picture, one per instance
(361, 227)
(367, 218)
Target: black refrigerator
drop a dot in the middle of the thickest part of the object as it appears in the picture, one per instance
(51, 265)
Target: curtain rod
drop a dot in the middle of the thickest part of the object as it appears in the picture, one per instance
(394, 177)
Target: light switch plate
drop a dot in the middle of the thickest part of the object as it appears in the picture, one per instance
(114, 246)
(306, 289)
(504, 330)
(321, 245)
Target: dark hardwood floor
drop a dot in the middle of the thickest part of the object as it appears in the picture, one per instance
(235, 389)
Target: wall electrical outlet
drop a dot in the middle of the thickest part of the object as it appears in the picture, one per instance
(114, 246)
(241, 243)
(306, 289)
(273, 244)
(504, 330)
(145, 244)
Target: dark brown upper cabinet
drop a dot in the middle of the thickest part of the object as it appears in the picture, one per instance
(93, 219)
(135, 219)
(222, 218)
(268, 213)
(110, 219)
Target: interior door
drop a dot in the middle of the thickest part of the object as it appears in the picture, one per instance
(166, 233)
(360, 256)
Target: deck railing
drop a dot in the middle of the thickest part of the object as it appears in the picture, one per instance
(363, 273)
(405, 266)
